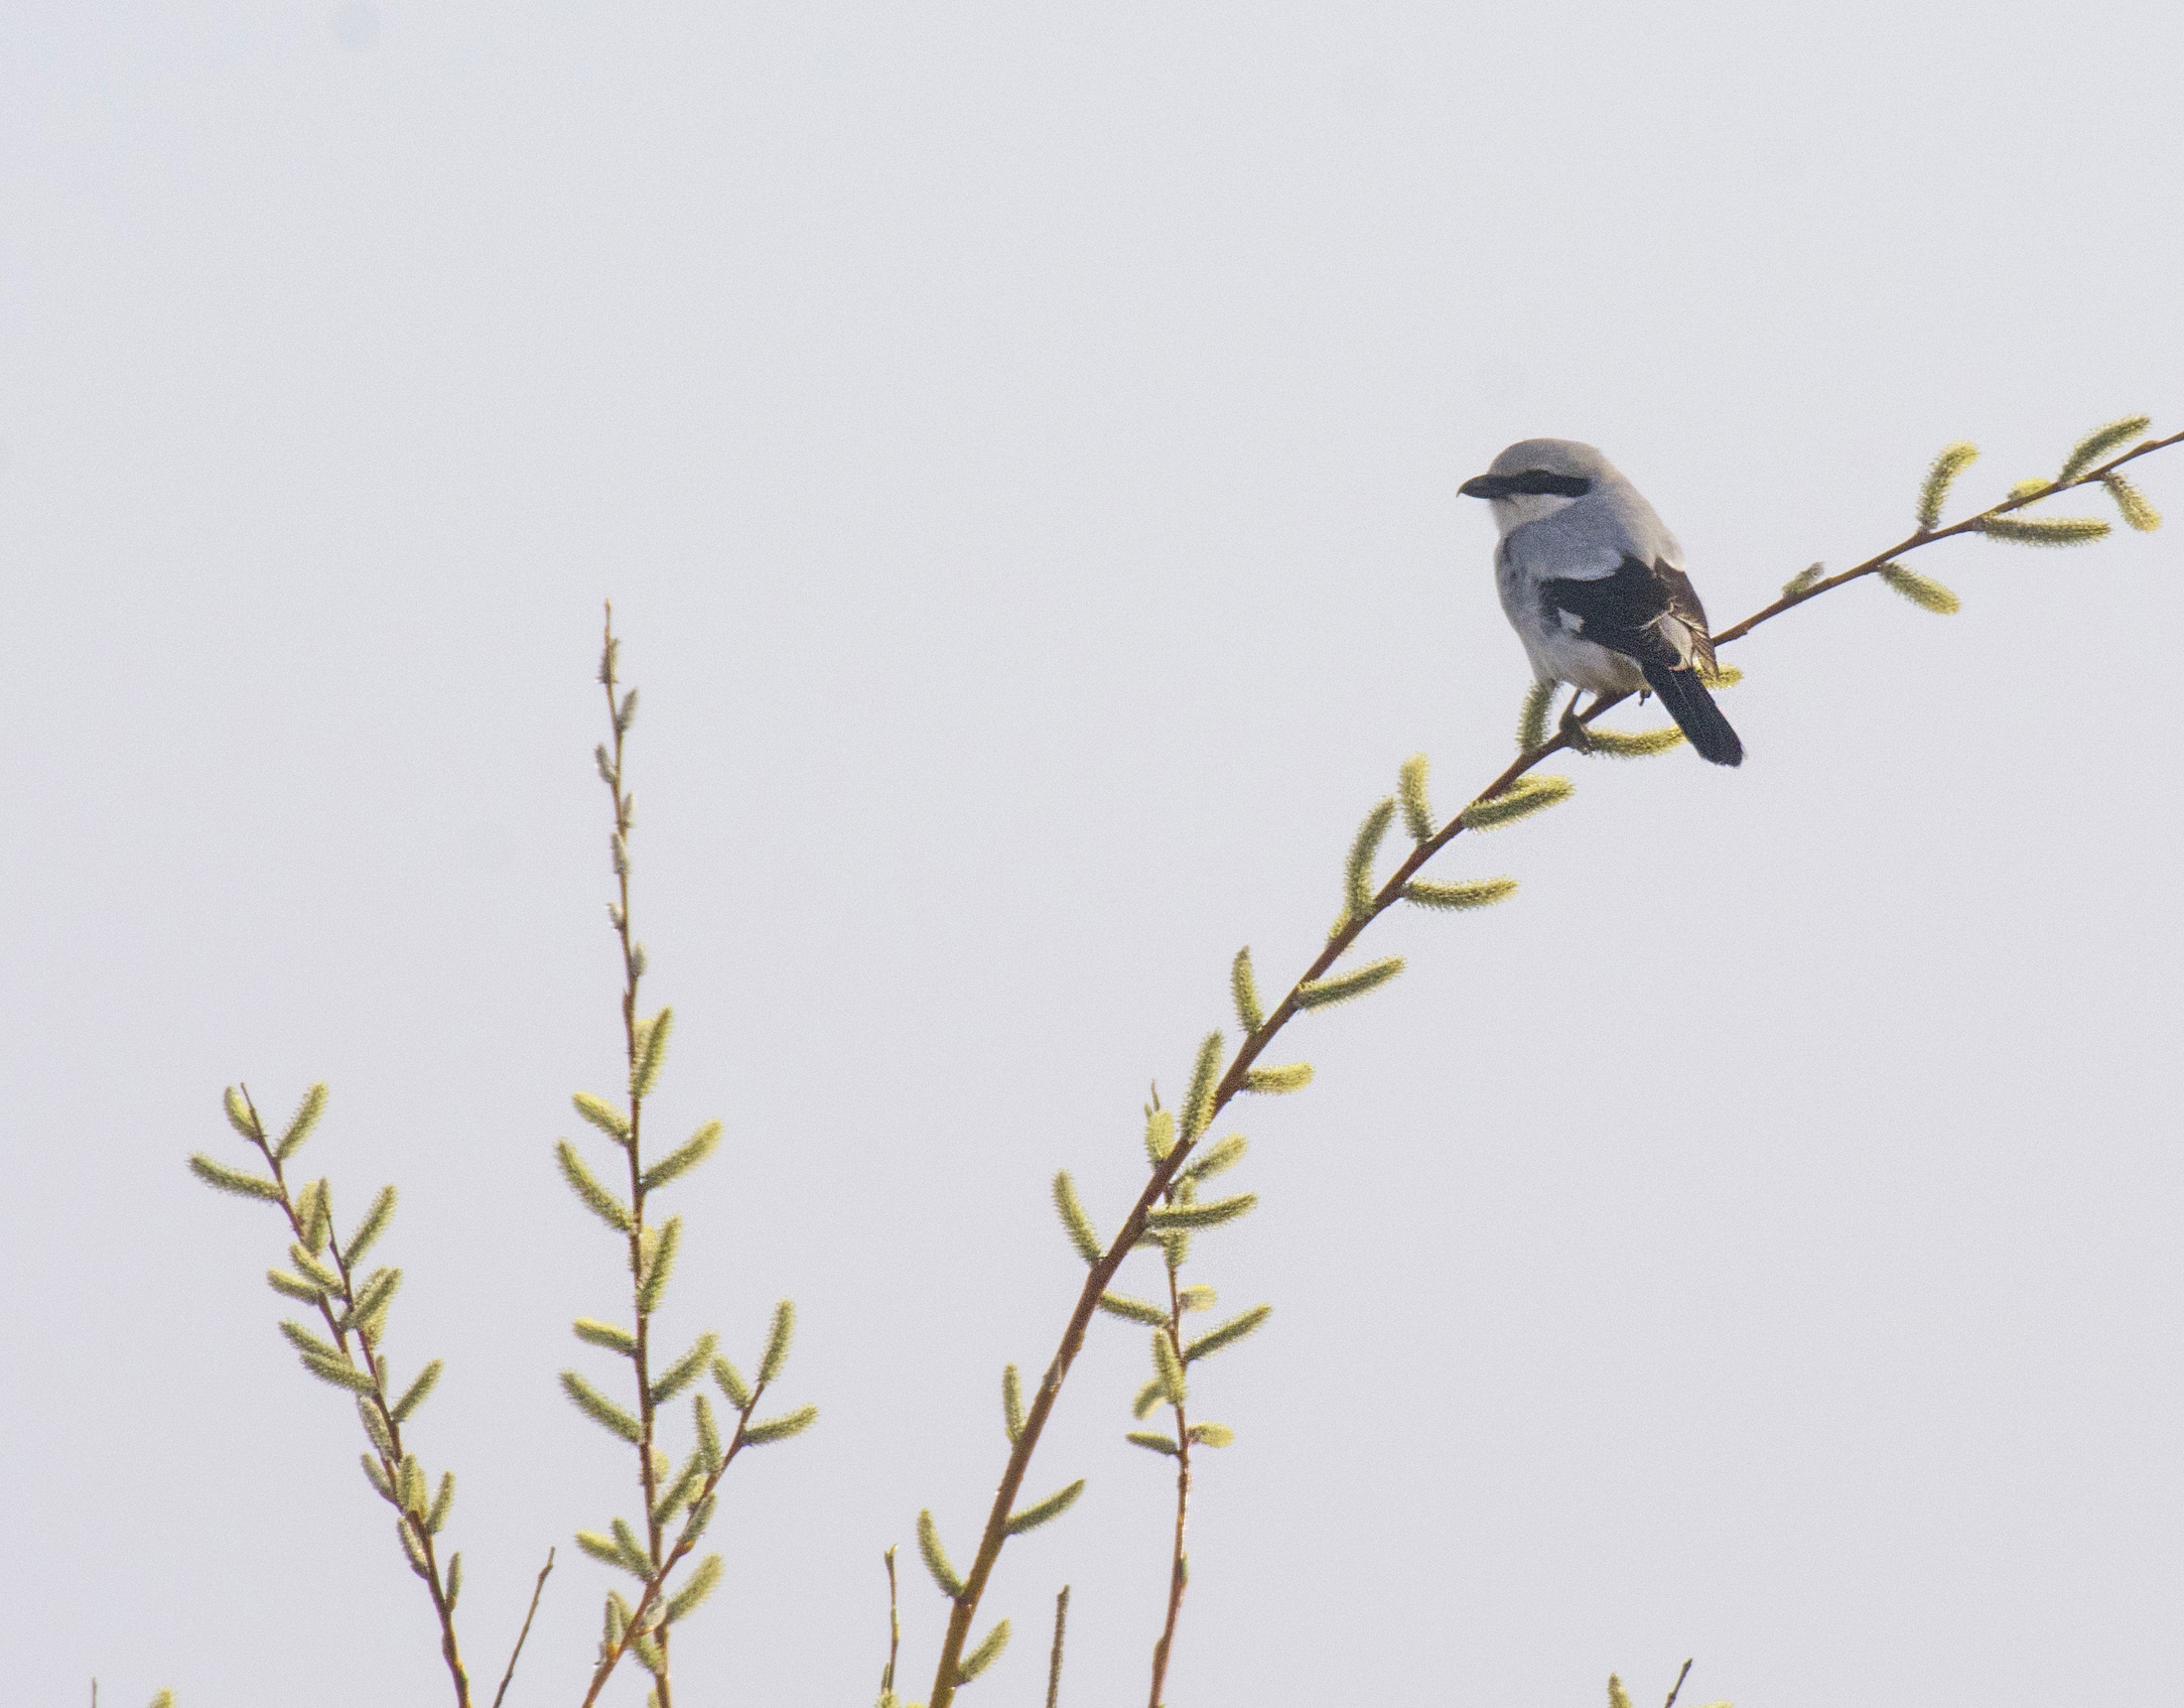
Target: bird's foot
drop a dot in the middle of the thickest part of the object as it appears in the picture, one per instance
(1574, 732)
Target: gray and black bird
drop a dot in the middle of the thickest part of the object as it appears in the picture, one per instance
(1594, 586)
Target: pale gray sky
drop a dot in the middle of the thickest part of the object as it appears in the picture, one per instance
(1022, 443)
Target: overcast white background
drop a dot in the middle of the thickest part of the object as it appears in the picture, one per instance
(1022, 445)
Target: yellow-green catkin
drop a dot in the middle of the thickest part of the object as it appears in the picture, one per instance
(1523, 798)
(2131, 503)
(1357, 870)
(1810, 576)
(769, 1429)
(2046, 530)
(2098, 443)
(1228, 1334)
(1244, 987)
(1208, 1214)
(604, 1116)
(936, 1557)
(701, 1584)
(651, 1051)
(681, 1161)
(1632, 743)
(1074, 1221)
(1342, 987)
(1458, 897)
(1012, 1403)
(1418, 805)
(1167, 1369)
(299, 1124)
(1952, 462)
(1132, 1309)
(599, 1408)
(1532, 718)
(1216, 1157)
(780, 1336)
(731, 1385)
(985, 1654)
(1042, 1512)
(1926, 593)
(1206, 1075)
(372, 1226)
(222, 1178)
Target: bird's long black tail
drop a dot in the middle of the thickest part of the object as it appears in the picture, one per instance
(1696, 714)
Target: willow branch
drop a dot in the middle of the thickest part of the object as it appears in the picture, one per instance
(1931, 536)
(632, 970)
(1102, 1273)
(390, 1462)
(644, 1044)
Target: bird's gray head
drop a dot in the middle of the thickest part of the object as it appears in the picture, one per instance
(1536, 477)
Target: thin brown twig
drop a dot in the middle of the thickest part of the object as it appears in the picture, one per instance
(1179, 1565)
(1053, 1660)
(538, 1589)
(964, 1610)
(1677, 1689)
(895, 1626)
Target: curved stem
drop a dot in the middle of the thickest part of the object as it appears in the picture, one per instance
(965, 1607)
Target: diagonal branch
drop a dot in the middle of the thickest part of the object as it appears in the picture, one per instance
(391, 1456)
(965, 1607)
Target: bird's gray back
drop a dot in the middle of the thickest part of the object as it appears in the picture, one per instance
(1593, 535)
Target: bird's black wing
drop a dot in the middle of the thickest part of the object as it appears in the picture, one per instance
(1625, 611)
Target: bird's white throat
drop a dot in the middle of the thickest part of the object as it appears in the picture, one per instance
(1517, 509)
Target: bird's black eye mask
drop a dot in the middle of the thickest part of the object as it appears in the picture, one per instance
(1533, 481)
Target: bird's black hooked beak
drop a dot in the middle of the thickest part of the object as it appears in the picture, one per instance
(1485, 487)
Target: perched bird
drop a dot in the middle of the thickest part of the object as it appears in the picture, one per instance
(1595, 589)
